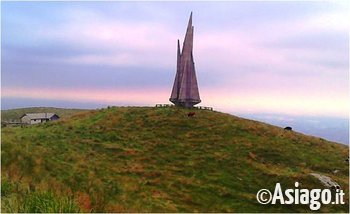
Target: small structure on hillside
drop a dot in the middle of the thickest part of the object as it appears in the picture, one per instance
(35, 118)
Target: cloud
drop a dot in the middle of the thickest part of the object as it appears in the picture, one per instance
(269, 56)
(108, 97)
(219, 99)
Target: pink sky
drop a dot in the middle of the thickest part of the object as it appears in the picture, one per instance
(271, 57)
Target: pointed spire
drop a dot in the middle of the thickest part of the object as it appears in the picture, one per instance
(185, 89)
(188, 42)
(176, 87)
(189, 26)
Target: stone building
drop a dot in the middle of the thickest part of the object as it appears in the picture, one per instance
(35, 118)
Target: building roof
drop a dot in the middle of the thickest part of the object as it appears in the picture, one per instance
(33, 116)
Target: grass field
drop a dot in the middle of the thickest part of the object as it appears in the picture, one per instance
(142, 159)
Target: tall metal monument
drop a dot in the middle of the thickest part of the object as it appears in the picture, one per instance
(185, 90)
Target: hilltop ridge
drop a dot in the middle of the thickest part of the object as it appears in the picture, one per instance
(143, 159)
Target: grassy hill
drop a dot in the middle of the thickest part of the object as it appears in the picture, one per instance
(140, 159)
(15, 114)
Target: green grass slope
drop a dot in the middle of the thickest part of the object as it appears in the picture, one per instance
(15, 114)
(140, 159)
